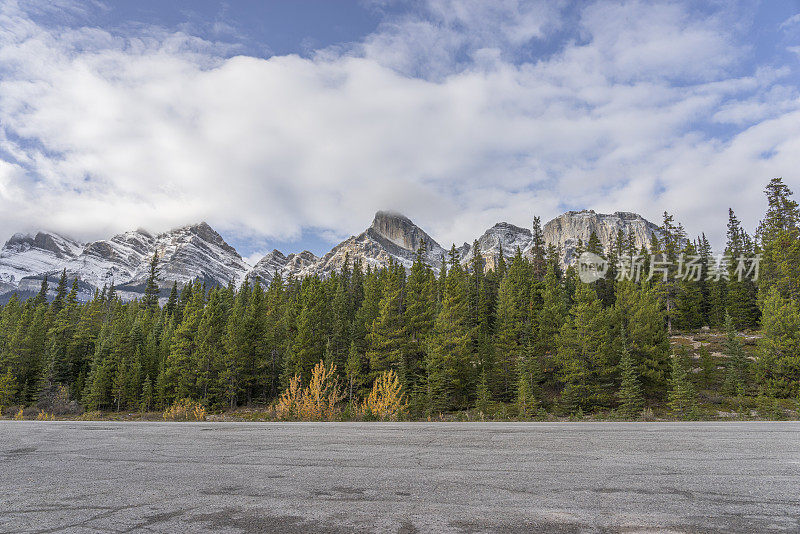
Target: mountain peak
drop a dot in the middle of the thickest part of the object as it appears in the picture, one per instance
(52, 242)
(381, 216)
(400, 230)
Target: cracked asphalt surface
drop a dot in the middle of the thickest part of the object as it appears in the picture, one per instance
(399, 477)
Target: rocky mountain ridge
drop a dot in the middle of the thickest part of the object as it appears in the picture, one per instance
(199, 252)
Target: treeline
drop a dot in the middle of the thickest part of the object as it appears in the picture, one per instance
(525, 335)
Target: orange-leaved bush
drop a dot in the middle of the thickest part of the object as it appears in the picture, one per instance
(318, 401)
(386, 401)
(185, 410)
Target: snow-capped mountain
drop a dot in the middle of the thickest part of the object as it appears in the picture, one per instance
(113, 261)
(27, 255)
(198, 252)
(275, 262)
(503, 237)
(185, 254)
(391, 236)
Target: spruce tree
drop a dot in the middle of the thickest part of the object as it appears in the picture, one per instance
(682, 396)
(778, 363)
(150, 300)
(583, 351)
(631, 399)
(309, 344)
(61, 293)
(483, 396)
(737, 364)
(450, 356)
(420, 311)
(388, 337)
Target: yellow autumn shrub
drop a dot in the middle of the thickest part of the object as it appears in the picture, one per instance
(319, 401)
(185, 410)
(289, 401)
(386, 401)
(20, 415)
(44, 416)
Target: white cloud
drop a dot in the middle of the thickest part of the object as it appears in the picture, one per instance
(432, 116)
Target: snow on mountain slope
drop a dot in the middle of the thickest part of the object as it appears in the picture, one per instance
(185, 254)
(26, 255)
(114, 260)
(197, 252)
(502, 236)
(390, 236)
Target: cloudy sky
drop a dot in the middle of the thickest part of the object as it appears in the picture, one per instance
(288, 124)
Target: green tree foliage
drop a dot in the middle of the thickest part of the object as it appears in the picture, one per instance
(388, 336)
(583, 351)
(778, 362)
(737, 368)
(450, 350)
(503, 337)
(631, 398)
(8, 388)
(682, 395)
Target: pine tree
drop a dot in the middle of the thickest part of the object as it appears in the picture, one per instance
(741, 291)
(583, 347)
(41, 296)
(780, 242)
(688, 313)
(450, 357)
(778, 361)
(353, 372)
(514, 331)
(146, 401)
(211, 353)
(682, 397)
(631, 399)
(483, 396)
(538, 251)
(639, 313)
(172, 302)
(736, 369)
(419, 316)
(61, 293)
(8, 389)
(150, 300)
(388, 338)
(309, 344)
(553, 313)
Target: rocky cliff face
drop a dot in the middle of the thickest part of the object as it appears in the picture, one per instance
(565, 230)
(390, 236)
(114, 260)
(275, 262)
(502, 238)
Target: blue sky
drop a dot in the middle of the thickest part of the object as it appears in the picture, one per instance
(288, 124)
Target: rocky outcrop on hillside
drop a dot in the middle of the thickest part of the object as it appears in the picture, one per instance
(565, 230)
(391, 236)
(502, 237)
